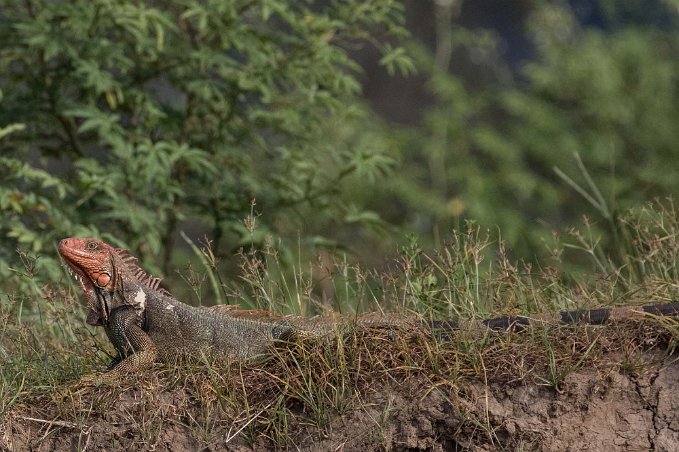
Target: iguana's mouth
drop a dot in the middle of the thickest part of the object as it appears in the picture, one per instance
(79, 276)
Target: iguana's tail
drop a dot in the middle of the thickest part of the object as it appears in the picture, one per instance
(589, 317)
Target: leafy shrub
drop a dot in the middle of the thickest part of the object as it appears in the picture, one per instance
(137, 117)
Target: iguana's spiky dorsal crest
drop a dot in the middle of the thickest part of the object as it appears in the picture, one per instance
(150, 282)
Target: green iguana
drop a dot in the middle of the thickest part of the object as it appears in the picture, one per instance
(144, 322)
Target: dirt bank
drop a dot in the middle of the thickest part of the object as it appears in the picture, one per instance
(613, 401)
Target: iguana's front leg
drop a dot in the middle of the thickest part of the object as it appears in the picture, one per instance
(135, 348)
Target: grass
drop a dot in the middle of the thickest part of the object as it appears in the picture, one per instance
(299, 392)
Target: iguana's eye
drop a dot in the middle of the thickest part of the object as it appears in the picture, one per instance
(92, 246)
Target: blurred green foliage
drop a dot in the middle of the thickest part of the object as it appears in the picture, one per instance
(131, 117)
(496, 142)
(133, 121)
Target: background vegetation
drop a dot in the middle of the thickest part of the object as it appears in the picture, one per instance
(242, 149)
(242, 121)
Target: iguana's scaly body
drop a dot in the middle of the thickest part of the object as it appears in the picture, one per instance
(144, 322)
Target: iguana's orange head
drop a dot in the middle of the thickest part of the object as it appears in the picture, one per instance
(91, 262)
(110, 277)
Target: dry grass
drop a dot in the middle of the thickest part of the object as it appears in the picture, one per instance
(299, 392)
(302, 390)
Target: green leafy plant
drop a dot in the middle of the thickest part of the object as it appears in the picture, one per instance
(139, 117)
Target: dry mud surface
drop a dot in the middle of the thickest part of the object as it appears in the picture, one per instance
(612, 412)
(590, 411)
(594, 408)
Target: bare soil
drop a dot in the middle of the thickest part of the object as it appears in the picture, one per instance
(590, 411)
(610, 402)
